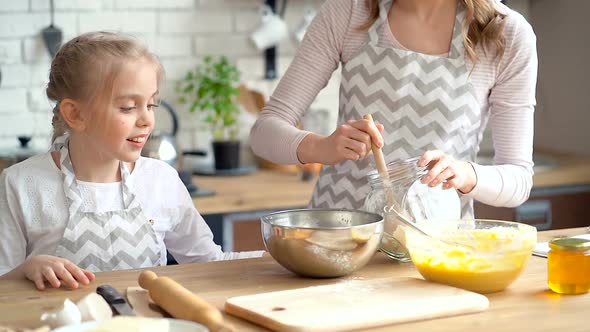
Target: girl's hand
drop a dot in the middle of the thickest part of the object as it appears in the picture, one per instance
(56, 271)
(445, 169)
(350, 141)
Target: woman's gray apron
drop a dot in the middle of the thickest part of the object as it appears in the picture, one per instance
(425, 102)
(106, 241)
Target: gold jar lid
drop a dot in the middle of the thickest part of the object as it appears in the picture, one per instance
(569, 244)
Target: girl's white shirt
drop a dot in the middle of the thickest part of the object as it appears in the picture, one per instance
(33, 211)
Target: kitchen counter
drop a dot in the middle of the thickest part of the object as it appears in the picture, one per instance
(267, 190)
(261, 190)
(244, 199)
(568, 171)
(527, 305)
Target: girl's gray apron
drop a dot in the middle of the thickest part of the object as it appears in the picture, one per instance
(425, 102)
(105, 241)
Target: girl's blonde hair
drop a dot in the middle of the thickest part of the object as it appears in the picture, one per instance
(85, 67)
(483, 24)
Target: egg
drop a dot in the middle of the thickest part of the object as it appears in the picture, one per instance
(68, 314)
(94, 307)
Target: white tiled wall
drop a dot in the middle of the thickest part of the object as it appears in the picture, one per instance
(181, 32)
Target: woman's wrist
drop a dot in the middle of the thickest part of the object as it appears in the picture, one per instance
(470, 179)
(306, 151)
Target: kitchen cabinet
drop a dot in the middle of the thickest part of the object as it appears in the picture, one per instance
(247, 236)
(547, 208)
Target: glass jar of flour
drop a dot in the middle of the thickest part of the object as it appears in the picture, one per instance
(405, 193)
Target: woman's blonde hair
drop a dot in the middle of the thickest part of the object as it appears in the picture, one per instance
(483, 24)
(85, 67)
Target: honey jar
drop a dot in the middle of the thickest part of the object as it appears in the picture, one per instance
(568, 265)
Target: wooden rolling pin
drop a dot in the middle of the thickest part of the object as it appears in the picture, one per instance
(182, 303)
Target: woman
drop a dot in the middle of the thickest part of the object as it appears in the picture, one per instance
(433, 73)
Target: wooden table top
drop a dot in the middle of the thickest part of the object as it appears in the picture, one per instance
(269, 190)
(527, 305)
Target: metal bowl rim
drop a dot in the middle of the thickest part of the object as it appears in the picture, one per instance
(264, 219)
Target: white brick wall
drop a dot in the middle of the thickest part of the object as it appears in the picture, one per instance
(173, 46)
(15, 76)
(246, 20)
(71, 5)
(127, 21)
(21, 123)
(10, 51)
(239, 45)
(154, 4)
(13, 6)
(35, 51)
(13, 101)
(177, 68)
(187, 22)
(180, 32)
(29, 24)
(38, 101)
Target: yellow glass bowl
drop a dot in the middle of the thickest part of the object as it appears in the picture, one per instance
(495, 254)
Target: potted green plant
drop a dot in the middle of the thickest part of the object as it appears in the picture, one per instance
(211, 88)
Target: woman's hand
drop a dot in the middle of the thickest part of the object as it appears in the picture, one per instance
(56, 271)
(350, 141)
(445, 169)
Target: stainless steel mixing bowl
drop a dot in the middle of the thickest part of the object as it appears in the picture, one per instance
(322, 242)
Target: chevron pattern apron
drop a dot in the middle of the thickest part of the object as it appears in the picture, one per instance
(106, 241)
(425, 102)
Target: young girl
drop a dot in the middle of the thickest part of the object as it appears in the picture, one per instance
(93, 203)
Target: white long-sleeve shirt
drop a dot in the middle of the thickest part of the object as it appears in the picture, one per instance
(505, 90)
(33, 211)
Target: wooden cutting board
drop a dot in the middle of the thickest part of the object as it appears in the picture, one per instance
(355, 304)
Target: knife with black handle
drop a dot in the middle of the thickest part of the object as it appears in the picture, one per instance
(117, 302)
